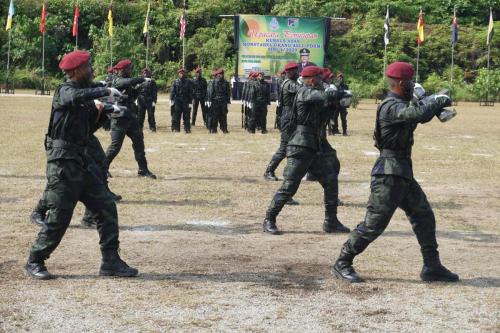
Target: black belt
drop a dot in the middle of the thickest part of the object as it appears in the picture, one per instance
(58, 143)
(395, 153)
(307, 129)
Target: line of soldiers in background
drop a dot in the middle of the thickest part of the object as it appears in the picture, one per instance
(256, 96)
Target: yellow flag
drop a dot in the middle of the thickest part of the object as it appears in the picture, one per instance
(145, 30)
(110, 22)
(489, 37)
(420, 28)
(8, 26)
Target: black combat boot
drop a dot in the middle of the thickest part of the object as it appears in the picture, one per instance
(36, 269)
(342, 269)
(113, 265)
(433, 270)
(333, 225)
(292, 202)
(269, 173)
(270, 227)
(38, 217)
(146, 173)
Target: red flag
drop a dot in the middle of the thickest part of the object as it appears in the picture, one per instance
(75, 20)
(183, 26)
(42, 22)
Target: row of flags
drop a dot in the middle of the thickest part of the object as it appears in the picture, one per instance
(420, 28)
(76, 18)
(182, 22)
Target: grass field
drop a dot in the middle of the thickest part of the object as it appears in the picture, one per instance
(195, 235)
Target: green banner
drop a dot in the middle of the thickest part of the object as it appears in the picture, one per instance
(267, 43)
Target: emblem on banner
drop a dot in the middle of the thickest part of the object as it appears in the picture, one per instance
(293, 22)
(274, 24)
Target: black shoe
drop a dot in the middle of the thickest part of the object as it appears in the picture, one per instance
(346, 272)
(225, 131)
(438, 273)
(345, 134)
(334, 226)
(269, 175)
(187, 131)
(117, 267)
(38, 218)
(146, 173)
(37, 271)
(292, 202)
(153, 130)
(264, 131)
(270, 227)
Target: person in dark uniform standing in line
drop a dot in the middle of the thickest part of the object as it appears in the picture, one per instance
(146, 101)
(125, 123)
(308, 150)
(199, 96)
(393, 184)
(340, 109)
(261, 99)
(218, 97)
(181, 99)
(71, 173)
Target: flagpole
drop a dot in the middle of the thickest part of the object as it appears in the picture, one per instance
(147, 35)
(43, 63)
(7, 88)
(385, 48)
(418, 59)
(452, 52)
(184, 38)
(488, 70)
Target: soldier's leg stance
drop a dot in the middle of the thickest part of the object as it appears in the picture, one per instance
(196, 102)
(276, 159)
(99, 201)
(326, 169)
(386, 194)
(299, 160)
(39, 214)
(141, 114)
(423, 222)
(151, 117)
(137, 137)
(263, 119)
(119, 127)
(186, 116)
(176, 118)
(343, 118)
(223, 118)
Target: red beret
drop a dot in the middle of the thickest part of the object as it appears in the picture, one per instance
(291, 65)
(400, 70)
(110, 70)
(122, 64)
(74, 60)
(311, 71)
(181, 70)
(327, 73)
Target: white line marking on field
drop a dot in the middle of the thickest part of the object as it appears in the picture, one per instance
(150, 150)
(431, 148)
(482, 155)
(217, 223)
(243, 152)
(371, 153)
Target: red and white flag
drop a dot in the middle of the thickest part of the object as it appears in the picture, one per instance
(183, 26)
(75, 20)
(42, 21)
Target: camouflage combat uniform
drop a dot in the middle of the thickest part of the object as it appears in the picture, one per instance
(146, 102)
(219, 96)
(261, 99)
(182, 97)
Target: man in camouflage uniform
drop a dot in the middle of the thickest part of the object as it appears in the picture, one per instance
(247, 96)
(218, 97)
(308, 150)
(181, 98)
(199, 96)
(146, 101)
(393, 184)
(261, 99)
(125, 122)
(72, 175)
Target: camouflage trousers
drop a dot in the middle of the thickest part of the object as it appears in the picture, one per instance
(69, 182)
(280, 154)
(121, 127)
(323, 164)
(389, 192)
